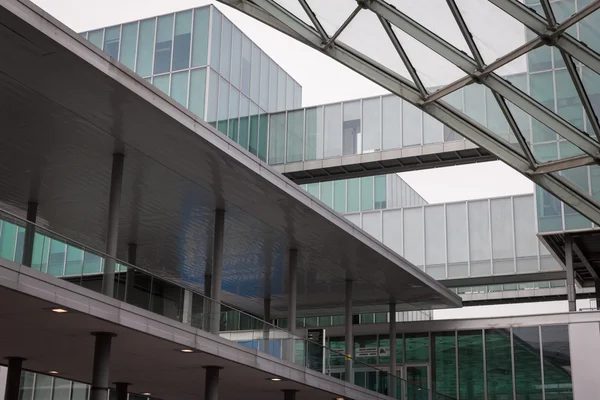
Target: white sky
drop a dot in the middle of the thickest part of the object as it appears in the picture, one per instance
(323, 81)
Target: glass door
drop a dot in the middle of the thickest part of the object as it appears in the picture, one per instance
(417, 382)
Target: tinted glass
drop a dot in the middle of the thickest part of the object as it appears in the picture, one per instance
(182, 40)
(164, 44)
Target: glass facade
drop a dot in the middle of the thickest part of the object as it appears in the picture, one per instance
(200, 58)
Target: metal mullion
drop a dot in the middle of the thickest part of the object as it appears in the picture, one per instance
(405, 59)
(344, 26)
(290, 25)
(120, 41)
(485, 382)
(446, 238)
(313, 18)
(468, 239)
(490, 230)
(540, 338)
(462, 25)
(581, 91)
(512, 361)
(137, 45)
(512, 123)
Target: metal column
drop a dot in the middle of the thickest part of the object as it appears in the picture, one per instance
(211, 383)
(206, 304)
(217, 272)
(289, 394)
(571, 291)
(114, 204)
(121, 390)
(392, 379)
(130, 274)
(349, 340)
(292, 303)
(13, 378)
(29, 234)
(597, 285)
(101, 369)
(186, 318)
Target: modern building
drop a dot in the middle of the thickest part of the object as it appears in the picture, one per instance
(167, 219)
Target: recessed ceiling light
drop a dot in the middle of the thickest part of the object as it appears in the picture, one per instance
(187, 350)
(146, 394)
(53, 372)
(275, 379)
(59, 310)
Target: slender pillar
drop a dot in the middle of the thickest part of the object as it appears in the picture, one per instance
(101, 369)
(112, 235)
(349, 340)
(217, 272)
(571, 293)
(211, 384)
(392, 379)
(292, 299)
(289, 394)
(121, 390)
(130, 274)
(266, 326)
(206, 303)
(29, 234)
(597, 285)
(13, 378)
(186, 317)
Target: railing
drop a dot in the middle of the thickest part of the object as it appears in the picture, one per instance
(24, 242)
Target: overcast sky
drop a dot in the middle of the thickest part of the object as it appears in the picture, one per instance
(324, 80)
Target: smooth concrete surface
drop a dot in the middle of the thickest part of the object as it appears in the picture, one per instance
(145, 351)
(584, 342)
(3, 371)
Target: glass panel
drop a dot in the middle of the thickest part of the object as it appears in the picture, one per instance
(223, 105)
(143, 66)
(8, 240)
(479, 237)
(74, 261)
(297, 95)
(95, 37)
(380, 192)
(470, 365)
(366, 193)
(528, 373)
(277, 139)
(225, 65)
(391, 122)
(264, 80)
(179, 87)
(162, 82)
(295, 131)
(371, 118)
(26, 387)
(181, 42)
(111, 41)
(567, 100)
(246, 65)
(589, 28)
(92, 264)
(234, 113)
(289, 93)
(128, 43)
(327, 193)
(498, 364)
(542, 89)
(475, 102)
(197, 91)
(244, 121)
(333, 130)
(417, 347)
(79, 391)
(339, 196)
(164, 44)
(62, 388)
(263, 127)
(411, 124)
(281, 82)
(43, 387)
(255, 74)
(314, 134)
(215, 38)
(352, 128)
(444, 381)
(273, 75)
(200, 41)
(418, 381)
(353, 195)
(236, 57)
(557, 362)
(433, 130)
(254, 134)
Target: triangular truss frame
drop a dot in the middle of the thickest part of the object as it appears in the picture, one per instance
(548, 33)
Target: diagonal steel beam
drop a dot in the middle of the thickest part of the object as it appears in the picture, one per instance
(514, 127)
(492, 80)
(272, 14)
(464, 29)
(344, 26)
(563, 164)
(556, 37)
(313, 18)
(585, 261)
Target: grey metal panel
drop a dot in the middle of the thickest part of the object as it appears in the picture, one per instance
(584, 347)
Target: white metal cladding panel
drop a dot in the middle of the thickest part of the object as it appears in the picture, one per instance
(503, 241)
(457, 234)
(355, 219)
(392, 230)
(413, 235)
(371, 223)
(525, 235)
(435, 240)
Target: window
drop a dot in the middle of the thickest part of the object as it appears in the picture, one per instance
(182, 40)
(366, 193)
(164, 43)
(197, 91)
(353, 195)
(339, 196)
(528, 373)
(236, 57)
(112, 37)
(179, 87)
(223, 113)
(445, 363)
(411, 124)
(254, 134)
(95, 38)
(246, 64)
(226, 43)
(128, 43)
(333, 130)
(470, 364)
(162, 83)
(391, 122)
(380, 192)
(215, 37)
(234, 113)
(200, 40)
(351, 128)
(557, 362)
(498, 364)
(145, 48)
(295, 131)
(264, 81)
(314, 133)
(255, 74)
(263, 129)
(277, 139)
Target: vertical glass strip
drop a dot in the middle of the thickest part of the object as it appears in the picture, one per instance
(200, 40)
(277, 139)
(179, 87)
(498, 364)
(263, 127)
(225, 67)
(314, 134)
(444, 354)
(244, 121)
(164, 44)
(128, 44)
(295, 131)
(234, 114)
(145, 48)
(182, 39)
(215, 44)
(95, 38)
(112, 37)
(528, 372)
(253, 144)
(470, 365)
(197, 91)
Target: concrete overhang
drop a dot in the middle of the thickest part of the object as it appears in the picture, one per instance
(66, 107)
(146, 351)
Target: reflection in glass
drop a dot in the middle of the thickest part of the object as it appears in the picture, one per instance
(498, 364)
(557, 362)
(226, 33)
(179, 87)
(314, 134)
(128, 44)
(182, 40)
(197, 91)
(528, 374)
(215, 34)
(277, 139)
(445, 378)
(200, 40)
(470, 364)
(295, 125)
(111, 41)
(143, 66)
(164, 43)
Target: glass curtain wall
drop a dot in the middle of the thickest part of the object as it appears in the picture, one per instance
(232, 86)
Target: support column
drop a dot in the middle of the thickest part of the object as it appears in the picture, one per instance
(597, 285)
(186, 317)
(112, 235)
(217, 272)
(13, 378)
(206, 303)
(266, 326)
(349, 339)
(29, 234)
(292, 304)
(121, 390)
(289, 394)
(571, 293)
(101, 369)
(392, 379)
(211, 383)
